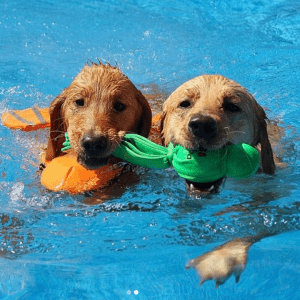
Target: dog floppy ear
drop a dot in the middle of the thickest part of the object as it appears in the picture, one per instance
(57, 128)
(146, 117)
(267, 158)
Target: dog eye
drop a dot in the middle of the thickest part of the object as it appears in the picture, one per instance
(185, 103)
(229, 106)
(119, 106)
(79, 102)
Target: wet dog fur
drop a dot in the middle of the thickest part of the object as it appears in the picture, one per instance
(96, 109)
(210, 112)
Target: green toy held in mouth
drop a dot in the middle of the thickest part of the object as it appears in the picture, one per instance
(237, 161)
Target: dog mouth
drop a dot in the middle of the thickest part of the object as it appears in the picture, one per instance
(204, 188)
(92, 163)
(204, 146)
(95, 154)
(201, 148)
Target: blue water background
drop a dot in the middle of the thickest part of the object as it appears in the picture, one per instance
(53, 246)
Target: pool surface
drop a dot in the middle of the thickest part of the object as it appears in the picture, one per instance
(53, 246)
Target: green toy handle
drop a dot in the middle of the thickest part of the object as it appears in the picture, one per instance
(66, 143)
(237, 161)
(142, 152)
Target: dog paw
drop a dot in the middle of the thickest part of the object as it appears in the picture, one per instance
(222, 262)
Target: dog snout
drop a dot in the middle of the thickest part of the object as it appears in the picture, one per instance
(94, 145)
(203, 126)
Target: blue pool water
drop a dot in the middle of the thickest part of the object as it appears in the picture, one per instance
(53, 246)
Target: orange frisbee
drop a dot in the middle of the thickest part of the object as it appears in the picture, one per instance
(64, 173)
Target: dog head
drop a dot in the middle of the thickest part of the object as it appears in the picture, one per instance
(99, 105)
(210, 112)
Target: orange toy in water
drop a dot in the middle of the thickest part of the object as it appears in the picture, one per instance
(28, 119)
(64, 173)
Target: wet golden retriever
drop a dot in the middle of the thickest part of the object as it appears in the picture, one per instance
(99, 104)
(210, 112)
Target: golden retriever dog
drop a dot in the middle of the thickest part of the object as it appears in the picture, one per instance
(210, 112)
(98, 106)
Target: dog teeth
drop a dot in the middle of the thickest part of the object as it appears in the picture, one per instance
(211, 188)
(192, 187)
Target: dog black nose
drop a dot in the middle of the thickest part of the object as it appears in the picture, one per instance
(203, 126)
(94, 145)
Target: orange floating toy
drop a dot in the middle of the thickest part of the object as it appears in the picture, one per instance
(28, 119)
(64, 173)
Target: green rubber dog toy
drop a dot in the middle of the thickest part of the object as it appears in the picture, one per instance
(237, 161)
